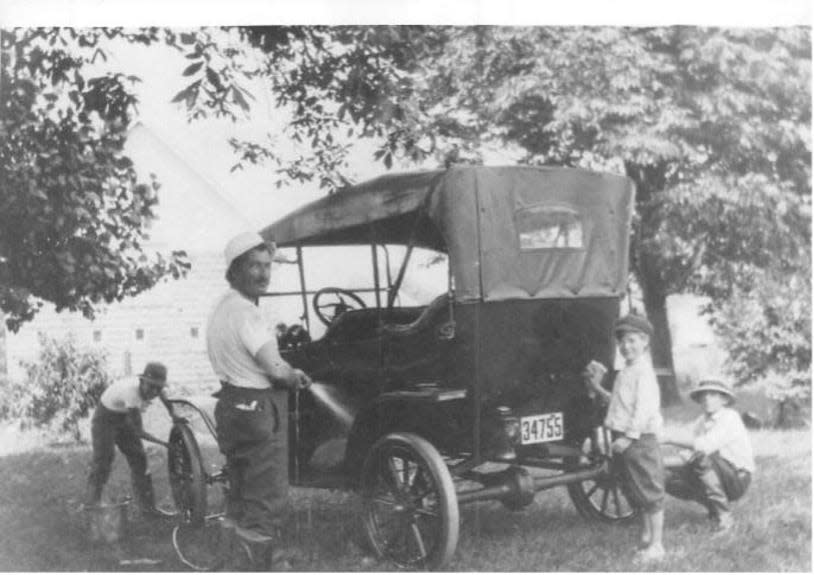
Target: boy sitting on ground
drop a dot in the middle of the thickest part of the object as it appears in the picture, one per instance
(721, 466)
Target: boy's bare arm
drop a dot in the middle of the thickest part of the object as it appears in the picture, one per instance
(135, 417)
(679, 437)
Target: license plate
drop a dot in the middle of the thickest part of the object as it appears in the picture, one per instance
(541, 428)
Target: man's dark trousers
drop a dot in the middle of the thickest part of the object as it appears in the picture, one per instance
(253, 435)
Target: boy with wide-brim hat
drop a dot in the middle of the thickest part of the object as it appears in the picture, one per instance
(721, 466)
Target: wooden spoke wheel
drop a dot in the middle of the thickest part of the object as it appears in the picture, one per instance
(409, 502)
(603, 498)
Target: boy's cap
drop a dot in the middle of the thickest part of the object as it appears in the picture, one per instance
(633, 322)
(712, 384)
(155, 373)
(242, 243)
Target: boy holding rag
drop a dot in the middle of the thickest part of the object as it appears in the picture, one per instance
(634, 418)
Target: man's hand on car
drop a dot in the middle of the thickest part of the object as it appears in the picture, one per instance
(302, 381)
(620, 444)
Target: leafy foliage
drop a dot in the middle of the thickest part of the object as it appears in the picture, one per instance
(767, 332)
(713, 125)
(337, 83)
(73, 218)
(62, 386)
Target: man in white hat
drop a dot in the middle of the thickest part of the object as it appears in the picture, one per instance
(252, 409)
(721, 466)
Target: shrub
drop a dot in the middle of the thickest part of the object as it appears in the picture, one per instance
(61, 387)
(767, 333)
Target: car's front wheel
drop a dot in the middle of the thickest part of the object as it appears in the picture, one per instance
(409, 502)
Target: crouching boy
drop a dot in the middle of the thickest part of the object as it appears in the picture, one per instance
(117, 422)
(721, 466)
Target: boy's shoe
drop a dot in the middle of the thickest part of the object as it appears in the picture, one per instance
(157, 513)
(252, 536)
(650, 554)
(723, 523)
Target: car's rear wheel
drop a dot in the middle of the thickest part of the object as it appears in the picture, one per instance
(186, 474)
(603, 497)
(409, 502)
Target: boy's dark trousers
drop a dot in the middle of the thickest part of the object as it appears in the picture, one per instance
(709, 479)
(253, 435)
(110, 429)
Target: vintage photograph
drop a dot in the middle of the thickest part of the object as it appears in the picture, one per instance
(455, 290)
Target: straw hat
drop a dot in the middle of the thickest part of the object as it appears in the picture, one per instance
(712, 384)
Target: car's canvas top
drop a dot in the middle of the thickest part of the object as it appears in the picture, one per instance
(510, 232)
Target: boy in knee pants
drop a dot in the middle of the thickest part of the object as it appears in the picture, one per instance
(634, 418)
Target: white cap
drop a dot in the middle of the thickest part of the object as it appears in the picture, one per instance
(242, 243)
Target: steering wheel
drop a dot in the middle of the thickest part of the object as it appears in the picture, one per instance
(339, 307)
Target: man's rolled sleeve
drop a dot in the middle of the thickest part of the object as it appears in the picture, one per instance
(254, 333)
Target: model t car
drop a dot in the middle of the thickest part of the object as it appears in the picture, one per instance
(476, 392)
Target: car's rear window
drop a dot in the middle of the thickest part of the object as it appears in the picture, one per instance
(549, 227)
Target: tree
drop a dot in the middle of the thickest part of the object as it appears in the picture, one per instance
(73, 217)
(711, 124)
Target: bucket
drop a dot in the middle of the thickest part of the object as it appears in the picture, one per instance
(107, 522)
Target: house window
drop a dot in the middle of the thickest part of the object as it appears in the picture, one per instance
(193, 332)
(139, 334)
(97, 335)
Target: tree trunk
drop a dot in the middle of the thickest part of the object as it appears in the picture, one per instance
(661, 347)
(651, 179)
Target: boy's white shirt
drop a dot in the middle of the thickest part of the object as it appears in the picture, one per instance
(724, 432)
(124, 395)
(635, 404)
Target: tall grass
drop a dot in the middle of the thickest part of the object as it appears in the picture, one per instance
(42, 529)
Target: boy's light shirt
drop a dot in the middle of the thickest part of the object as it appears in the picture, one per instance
(635, 405)
(724, 432)
(124, 395)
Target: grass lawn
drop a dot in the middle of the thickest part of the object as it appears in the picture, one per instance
(43, 529)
